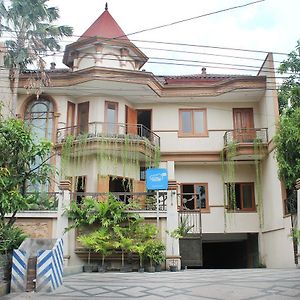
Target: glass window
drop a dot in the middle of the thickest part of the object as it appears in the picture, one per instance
(111, 116)
(192, 122)
(39, 114)
(194, 196)
(240, 196)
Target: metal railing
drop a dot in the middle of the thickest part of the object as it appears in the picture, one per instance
(191, 219)
(290, 204)
(136, 201)
(109, 130)
(246, 135)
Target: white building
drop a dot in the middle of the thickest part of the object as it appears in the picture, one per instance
(121, 108)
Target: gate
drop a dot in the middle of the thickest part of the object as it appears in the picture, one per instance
(191, 245)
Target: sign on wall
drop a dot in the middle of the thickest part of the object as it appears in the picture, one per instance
(157, 179)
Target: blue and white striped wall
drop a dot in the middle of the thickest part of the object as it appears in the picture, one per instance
(50, 265)
(19, 271)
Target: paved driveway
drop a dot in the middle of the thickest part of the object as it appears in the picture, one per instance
(191, 284)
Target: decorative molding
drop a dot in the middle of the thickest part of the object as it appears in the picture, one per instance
(65, 185)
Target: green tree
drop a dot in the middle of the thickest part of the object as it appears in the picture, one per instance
(289, 91)
(287, 141)
(23, 163)
(30, 25)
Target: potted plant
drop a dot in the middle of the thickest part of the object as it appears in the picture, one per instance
(102, 244)
(181, 231)
(88, 241)
(140, 249)
(154, 251)
(159, 257)
(124, 242)
(142, 233)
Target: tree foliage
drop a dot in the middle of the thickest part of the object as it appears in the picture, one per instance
(23, 163)
(289, 92)
(287, 141)
(30, 24)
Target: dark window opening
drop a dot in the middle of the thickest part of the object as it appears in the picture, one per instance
(80, 187)
(142, 173)
(194, 196)
(144, 118)
(241, 196)
(120, 185)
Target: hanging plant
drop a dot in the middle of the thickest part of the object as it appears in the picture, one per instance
(258, 152)
(228, 175)
(109, 154)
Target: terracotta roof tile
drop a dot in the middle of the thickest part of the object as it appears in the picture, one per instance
(105, 26)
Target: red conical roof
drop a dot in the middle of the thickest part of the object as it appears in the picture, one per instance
(105, 26)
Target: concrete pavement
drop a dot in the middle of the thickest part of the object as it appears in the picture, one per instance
(234, 284)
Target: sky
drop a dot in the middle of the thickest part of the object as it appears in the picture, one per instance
(268, 26)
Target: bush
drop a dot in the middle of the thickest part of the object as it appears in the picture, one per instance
(11, 237)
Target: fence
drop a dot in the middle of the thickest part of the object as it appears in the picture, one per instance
(50, 268)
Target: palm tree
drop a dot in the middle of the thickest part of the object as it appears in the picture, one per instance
(31, 34)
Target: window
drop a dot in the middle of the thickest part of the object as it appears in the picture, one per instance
(194, 196)
(80, 188)
(111, 117)
(39, 114)
(192, 122)
(240, 196)
(83, 118)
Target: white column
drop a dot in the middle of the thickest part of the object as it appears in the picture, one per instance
(62, 219)
(172, 246)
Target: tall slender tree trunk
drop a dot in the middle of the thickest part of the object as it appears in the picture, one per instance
(14, 80)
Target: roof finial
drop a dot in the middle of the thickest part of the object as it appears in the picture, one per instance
(106, 6)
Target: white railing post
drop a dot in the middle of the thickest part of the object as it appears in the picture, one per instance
(64, 199)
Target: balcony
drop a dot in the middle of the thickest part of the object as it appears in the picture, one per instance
(96, 130)
(111, 138)
(248, 143)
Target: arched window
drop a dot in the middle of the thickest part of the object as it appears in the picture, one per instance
(39, 114)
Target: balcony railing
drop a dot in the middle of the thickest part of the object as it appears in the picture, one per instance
(137, 201)
(109, 130)
(290, 204)
(246, 135)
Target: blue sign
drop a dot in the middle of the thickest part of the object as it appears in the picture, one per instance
(157, 179)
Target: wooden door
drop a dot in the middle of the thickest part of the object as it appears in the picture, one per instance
(140, 187)
(83, 117)
(243, 124)
(70, 118)
(131, 120)
(102, 187)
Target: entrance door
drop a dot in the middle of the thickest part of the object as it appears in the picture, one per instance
(243, 124)
(131, 120)
(144, 118)
(83, 117)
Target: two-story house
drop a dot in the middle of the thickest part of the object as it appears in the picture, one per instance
(214, 132)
